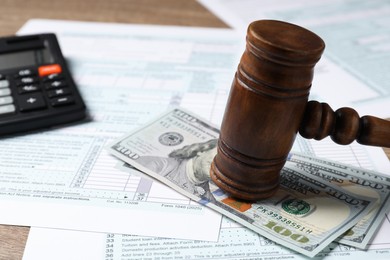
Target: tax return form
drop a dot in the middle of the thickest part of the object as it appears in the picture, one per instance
(353, 70)
(46, 243)
(63, 178)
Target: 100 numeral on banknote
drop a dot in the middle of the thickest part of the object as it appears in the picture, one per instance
(306, 214)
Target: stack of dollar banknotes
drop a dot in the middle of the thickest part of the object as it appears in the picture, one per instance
(319, 201)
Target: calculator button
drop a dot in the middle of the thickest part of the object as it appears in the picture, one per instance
(52, 77)
(4, 83)
(6, 100)
(26, 80)
(55, 84)
(28, 88)
(25, 73)
(61, 101)
(31, 102)
(5, 92)
(2, 76)
(7, 109)
(49, 69)
(58, 92)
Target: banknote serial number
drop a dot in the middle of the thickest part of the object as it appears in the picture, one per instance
(281, 219)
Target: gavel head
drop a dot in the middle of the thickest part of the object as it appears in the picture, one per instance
(265, 107)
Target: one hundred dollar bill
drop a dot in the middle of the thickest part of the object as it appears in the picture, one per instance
(306, 214)
(357, 181)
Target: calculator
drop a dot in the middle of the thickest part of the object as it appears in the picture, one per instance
(36, 87)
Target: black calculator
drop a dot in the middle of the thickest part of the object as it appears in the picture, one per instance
(36, 87)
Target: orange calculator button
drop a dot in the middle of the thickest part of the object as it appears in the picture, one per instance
(49, 69)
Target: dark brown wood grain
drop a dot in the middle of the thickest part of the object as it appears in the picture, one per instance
(268, 104)
(343, 126)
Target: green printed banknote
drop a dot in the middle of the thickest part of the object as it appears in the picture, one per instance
(357, 181)
(306, 214)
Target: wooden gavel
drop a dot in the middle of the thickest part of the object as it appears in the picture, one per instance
(268, 105)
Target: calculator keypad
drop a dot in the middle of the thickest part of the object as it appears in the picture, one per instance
(6, 100)
(37, 90)
(28, 90)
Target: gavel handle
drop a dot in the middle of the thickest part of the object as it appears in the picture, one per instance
(343, 126)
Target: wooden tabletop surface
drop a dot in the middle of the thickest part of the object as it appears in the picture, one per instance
(14, 13)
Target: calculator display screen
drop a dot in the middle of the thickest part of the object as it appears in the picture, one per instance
(25, 58)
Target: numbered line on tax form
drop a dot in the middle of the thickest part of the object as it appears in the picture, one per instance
(99, 176)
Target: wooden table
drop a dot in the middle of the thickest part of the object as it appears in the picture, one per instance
(14, 13)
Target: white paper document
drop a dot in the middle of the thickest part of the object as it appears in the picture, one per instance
(353, 69)
(63, 178)
(235, 242)
(128, 74)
